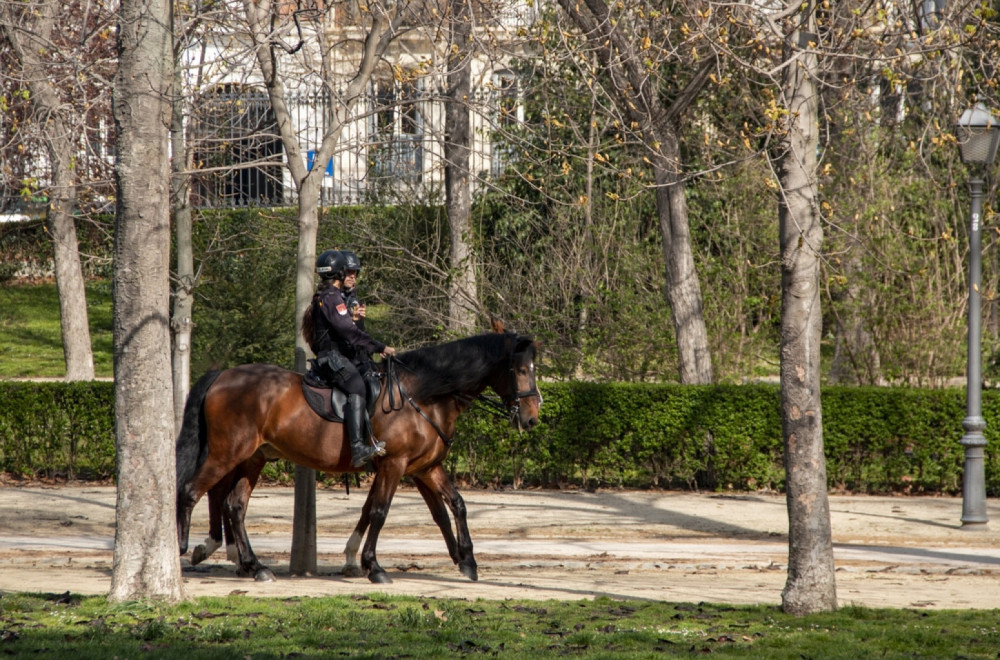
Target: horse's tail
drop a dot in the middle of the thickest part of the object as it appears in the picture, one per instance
(192, 441)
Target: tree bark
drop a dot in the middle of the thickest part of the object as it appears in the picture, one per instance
(810, 586)
(463, 295)
(28, 43)
(146, 562)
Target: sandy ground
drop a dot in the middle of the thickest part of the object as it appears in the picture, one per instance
(889, 551)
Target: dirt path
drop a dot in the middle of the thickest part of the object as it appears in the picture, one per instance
(889, 551)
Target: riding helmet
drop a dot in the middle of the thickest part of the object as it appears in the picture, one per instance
(330, 264)
(353, 262)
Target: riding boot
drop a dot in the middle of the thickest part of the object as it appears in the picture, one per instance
(354, 420)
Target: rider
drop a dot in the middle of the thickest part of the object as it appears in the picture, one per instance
(354, 306)
(341, 347)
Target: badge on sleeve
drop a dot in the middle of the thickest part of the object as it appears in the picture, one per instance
(342, 309)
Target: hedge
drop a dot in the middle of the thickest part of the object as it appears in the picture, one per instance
(877, 440)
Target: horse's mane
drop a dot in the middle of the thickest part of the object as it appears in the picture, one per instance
(455, 367)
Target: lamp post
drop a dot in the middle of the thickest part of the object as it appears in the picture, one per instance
(978, 135)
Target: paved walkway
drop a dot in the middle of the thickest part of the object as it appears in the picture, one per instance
(889, 551)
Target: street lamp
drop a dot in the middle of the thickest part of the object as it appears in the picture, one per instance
(978, 135)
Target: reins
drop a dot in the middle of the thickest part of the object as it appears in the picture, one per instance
(390, 378)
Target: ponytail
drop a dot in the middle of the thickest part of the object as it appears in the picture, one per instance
(309, 324)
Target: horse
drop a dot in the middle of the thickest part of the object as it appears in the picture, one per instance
(237, 420)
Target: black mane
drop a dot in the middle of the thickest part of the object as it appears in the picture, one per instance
(455, 367)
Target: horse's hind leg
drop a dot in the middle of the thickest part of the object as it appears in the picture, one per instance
(437, 489)
(234, 512)
(185, 505)
(439, 512)
(214, 539)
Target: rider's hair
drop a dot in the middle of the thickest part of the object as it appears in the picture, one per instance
(308, 326)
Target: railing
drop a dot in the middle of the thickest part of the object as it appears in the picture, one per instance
(239, 157)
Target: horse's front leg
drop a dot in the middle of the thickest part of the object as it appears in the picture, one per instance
(351, 566)
(436, 487)
(381, 494)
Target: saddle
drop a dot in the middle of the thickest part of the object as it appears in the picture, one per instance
(328, 401)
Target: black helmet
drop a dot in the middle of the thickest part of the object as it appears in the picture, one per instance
(353, 262)
(330, 265)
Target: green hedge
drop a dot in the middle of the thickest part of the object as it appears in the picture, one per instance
(57, 429)
(877, 440)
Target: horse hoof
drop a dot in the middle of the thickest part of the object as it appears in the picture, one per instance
(352, 571)
(264, 575)
(198, 555)
(380, 577)
(469, 570)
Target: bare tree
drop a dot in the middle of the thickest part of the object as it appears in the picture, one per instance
(810, 586)
(266, 23)
(181, 323)
(146, 562)
(463, 297)
(623, 39)
(51, 42)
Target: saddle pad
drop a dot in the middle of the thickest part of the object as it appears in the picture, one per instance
(326, 402)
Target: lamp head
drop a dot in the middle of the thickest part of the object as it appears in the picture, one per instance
(978, 133)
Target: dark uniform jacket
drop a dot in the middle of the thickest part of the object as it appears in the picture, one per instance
(334, 329)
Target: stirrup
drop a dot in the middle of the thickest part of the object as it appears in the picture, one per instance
(366, 453)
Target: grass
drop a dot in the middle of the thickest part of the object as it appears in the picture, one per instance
(30, 336)
(381, 626)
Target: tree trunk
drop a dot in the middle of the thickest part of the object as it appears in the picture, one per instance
(462, 299)
(29, 43)
(303, 557)
(810, 586)
(855, 359)
(69, 275)
(683, 291)
(181, 323)
(146, 562)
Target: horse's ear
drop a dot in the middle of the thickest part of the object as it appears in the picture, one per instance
(496, 324)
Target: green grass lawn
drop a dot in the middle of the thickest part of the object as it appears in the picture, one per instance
(381, 626)
(30, 337)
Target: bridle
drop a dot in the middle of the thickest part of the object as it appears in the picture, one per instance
(512, 402)
(510, 406)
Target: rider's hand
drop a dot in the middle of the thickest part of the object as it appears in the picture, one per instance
(388, 352)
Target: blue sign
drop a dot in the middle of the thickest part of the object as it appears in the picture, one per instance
(311, 157)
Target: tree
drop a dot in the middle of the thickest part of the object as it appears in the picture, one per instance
(265, 24)
(181, 322)
(59, 52)
(463, 297)
(146, 562)
(810, 586)
(623, 40)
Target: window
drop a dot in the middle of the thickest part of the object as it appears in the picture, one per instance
(396, 143)
(237, 151)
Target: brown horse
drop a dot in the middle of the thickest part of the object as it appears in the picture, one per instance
(237, 420)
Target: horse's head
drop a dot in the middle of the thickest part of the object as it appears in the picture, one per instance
(517, 386)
